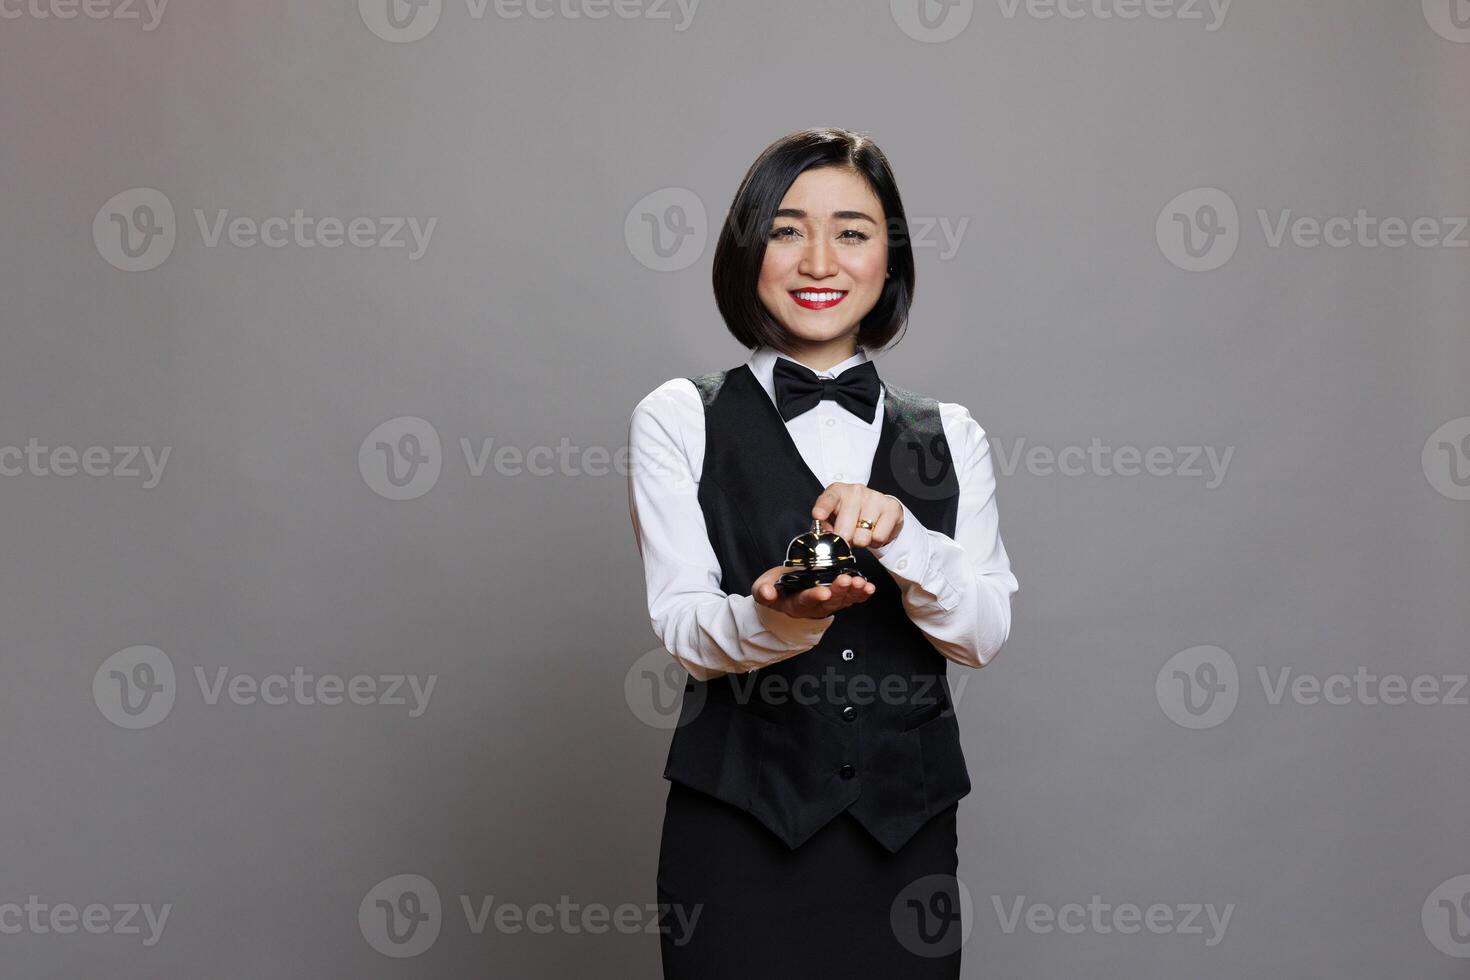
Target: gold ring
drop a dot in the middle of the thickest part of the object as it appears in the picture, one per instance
(866, 524)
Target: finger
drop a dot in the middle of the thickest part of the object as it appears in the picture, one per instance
(866, 509)
(827, 502)
(886, 525)
(844, 521)
(815, 596)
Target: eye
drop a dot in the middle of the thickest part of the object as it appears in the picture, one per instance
(783, 233)
(853, 235)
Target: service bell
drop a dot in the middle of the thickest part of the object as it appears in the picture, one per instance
(816, 557)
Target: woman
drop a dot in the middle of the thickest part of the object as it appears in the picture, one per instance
(816, 770)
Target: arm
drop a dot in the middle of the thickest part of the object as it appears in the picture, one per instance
(707, 631)
(958, 590)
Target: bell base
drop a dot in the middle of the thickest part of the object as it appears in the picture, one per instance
(809, 578)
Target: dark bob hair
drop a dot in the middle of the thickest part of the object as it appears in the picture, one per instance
(742, 246)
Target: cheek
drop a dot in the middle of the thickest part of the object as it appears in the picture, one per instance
(775, 269)
(869, 268)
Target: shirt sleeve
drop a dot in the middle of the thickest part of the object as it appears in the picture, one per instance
(706, 630)
(958, 590)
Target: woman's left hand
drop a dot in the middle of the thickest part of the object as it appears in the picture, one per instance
(841, 504)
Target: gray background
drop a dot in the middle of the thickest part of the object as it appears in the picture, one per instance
(1333, 542)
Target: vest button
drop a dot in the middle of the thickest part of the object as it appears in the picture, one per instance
(847, 771)
(849, 712)
(848, 654)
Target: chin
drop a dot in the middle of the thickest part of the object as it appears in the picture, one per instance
(815, 327)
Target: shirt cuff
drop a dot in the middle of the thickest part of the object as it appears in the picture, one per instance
(793, 632)
(907, 555)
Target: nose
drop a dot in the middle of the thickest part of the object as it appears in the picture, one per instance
(818, 261)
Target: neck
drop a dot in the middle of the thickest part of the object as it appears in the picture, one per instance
(822, 355)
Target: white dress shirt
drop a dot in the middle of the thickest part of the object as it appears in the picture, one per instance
(956, 590)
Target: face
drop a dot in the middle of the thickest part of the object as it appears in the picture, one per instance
(826, 256)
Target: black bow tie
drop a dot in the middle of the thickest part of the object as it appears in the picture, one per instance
(798, 389)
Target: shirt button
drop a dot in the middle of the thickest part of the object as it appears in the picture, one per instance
(847, 771)
(836, 476)
(902, 564)
(849, 713)
(831, 422)
(848, 654)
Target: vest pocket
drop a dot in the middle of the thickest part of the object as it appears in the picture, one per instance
(917, 716)
(946, 777)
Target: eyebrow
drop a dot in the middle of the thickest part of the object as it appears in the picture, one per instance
(841, 215)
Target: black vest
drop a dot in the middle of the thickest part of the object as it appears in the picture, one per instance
(863, 721)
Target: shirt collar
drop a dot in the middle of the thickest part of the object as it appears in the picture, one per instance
(762, 364)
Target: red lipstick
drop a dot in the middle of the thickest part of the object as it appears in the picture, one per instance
(817, 299)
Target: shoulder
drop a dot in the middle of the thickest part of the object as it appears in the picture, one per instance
(674, 395)
(685, 395)
(669, 413)
(955, 417)
(967, 440)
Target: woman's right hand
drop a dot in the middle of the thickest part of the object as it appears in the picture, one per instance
(817, 602)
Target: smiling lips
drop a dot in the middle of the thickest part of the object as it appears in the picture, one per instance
(817, 299)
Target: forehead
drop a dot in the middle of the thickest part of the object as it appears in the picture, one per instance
(826, 189)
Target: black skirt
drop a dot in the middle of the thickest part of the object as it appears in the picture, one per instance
(738, 903)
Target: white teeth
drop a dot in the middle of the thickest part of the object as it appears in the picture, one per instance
(813, 297)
